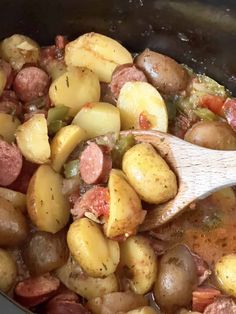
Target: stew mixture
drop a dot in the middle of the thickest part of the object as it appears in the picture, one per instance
(74, 191)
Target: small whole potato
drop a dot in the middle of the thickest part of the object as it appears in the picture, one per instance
(138, 260)
(225, 270)
(176, 279)
(149, 174)
(13, 225)
(73, 277)
(44, 252)
(163, 72)
(97, 255)
(8, 271)
(212, 134)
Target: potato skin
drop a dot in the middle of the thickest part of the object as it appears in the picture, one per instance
(225, 270)
(72, 276)
(13, 225)
(176, 279)
(45, 252)
(138, 257)
(8, 271)
(97, 255)
(212, 134)
(163, 72)
(149, 174)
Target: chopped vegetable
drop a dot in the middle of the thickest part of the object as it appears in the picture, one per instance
(71, 169)
(55, 126)
(212, 221)
(123, 144)
(57, 113)
(205, 114)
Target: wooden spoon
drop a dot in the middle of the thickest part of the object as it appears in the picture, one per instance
(200, 172)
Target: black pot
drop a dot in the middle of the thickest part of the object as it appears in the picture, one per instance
(201, 34)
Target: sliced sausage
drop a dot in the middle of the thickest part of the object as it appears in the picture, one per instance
(163, 72)
(96, 201)
(202, 297)
(31, 83)
(10, 163)
(9, 73)
(57, 306)
(221, 306)
(95, 164)
(229, 109)
(123, 74)
(34, 291)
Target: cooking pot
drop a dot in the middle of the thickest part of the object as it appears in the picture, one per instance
(200, 34)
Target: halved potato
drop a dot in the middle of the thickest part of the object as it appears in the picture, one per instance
(142, 107)
(72, 276)
(98, 118)
(8, 126)
(17, 199)
(99, 53)
(3, 80)
(97, 255)
(126, 212)
(63, 143)
(32, 139)
(138, 259)
(47, 207)
(225, 270)
(74, 88)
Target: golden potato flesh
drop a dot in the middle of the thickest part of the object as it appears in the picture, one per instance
(74, 88)
(47, 207)
(99, 53)
(8, 271)
(8, 127)
(32, 139)
(225, 270)
(98, 118)
(126, 212)
(97, 255)
(143, 310)
(149, 174)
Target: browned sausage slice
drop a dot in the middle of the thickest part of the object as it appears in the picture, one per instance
(56, 306)
(34, 291)
(203, 296)
(95, 200)
(221, 306)
(10, 163)
(95, 164)
(31, 83)
(125, 73)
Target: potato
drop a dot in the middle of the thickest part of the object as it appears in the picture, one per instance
(176, 279)
(72, 276)
(8, 126)
(212, 134)
(55, 68)
(32, 139)
(137, 258)
(163, 72)
(13, 225)
(97, 52)
(224, 199)
(142, 107)
(97, 255)
(74, 88)
(8, 271)
(225, 270)
(63, 143)
(143, 310)
(17, 199)
(3, 80)
(149, 174)
(18, 50)
(116, 302)
(98, 118)
(47, 207)
(44, 252)
(126, 212)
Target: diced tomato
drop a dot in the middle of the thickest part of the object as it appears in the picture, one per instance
(229, 109)
(202, 297)
(213, 103)
(144, 123)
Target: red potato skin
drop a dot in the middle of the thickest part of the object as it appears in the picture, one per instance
(30, 83)
(221, 306)
(95, 164)
(10, 163)
(36, 290)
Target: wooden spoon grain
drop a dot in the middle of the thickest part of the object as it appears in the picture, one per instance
(200, 172)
